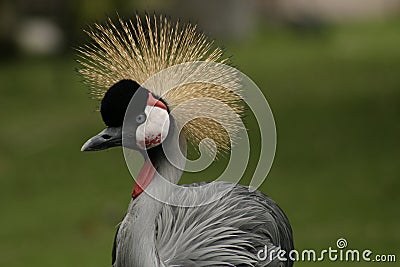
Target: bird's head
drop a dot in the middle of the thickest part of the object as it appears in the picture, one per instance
(155, 75)
(148, 118)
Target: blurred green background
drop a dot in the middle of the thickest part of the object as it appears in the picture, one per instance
(329, 69)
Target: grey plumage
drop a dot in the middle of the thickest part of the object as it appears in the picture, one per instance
(227, 232)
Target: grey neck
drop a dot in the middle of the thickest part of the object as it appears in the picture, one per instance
(143, 210)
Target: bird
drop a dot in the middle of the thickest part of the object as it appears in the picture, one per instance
(232, 229)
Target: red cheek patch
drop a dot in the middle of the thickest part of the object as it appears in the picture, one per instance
(153, 140)
(153, 102)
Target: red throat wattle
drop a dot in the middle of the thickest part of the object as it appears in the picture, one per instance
(144, 178)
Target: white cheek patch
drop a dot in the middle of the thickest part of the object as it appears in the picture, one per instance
(154, 130)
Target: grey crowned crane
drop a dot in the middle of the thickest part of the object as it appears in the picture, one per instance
(229, 231)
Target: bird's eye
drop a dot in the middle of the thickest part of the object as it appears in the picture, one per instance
(141, 118)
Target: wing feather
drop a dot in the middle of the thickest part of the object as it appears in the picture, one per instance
(227, 232)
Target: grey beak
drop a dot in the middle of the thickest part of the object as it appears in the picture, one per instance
(109, 137)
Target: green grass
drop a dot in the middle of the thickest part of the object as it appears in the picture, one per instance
(336, 101)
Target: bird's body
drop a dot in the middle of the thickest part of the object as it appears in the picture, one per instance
(227, 232)
(230, 230)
